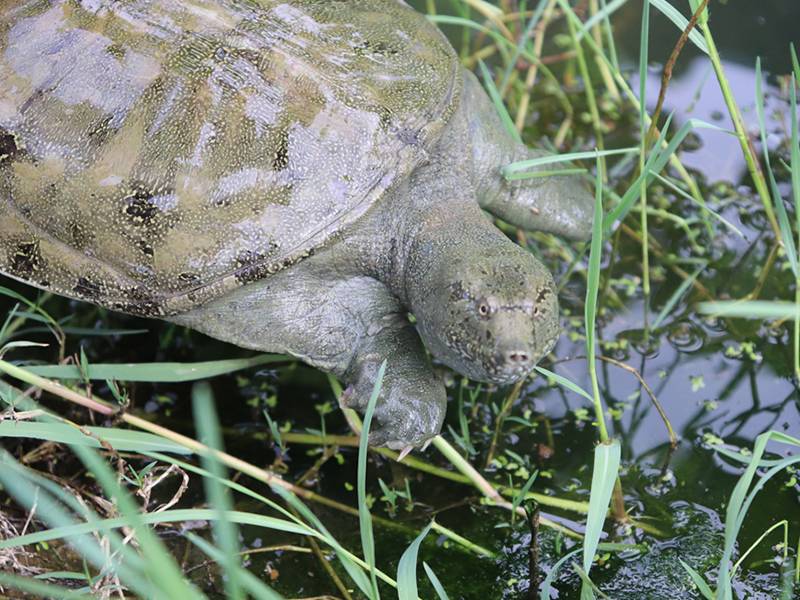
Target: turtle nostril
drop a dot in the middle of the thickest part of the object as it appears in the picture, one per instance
(519, 357)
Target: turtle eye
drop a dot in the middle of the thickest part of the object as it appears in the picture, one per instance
(483, 309)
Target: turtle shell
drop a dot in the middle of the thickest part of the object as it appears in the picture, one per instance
(154, 154)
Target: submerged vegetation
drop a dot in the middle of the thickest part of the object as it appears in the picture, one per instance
(602, 477)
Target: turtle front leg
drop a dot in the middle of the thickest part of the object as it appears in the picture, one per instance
(412, 402)
(560, 204)
(347, 325)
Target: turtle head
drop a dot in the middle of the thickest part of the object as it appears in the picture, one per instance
(492, 317)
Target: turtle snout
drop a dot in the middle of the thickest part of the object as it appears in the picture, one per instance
(518, 357)
(515, 360)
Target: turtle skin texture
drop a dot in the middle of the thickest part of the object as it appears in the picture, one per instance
(294, 177)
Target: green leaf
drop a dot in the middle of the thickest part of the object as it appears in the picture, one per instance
(795, 141)
(124, 440)
(226, 534)
(658, 159)
(600, 15)
(677, 295)
(698, 580)
(750, 309)
(167, 516)
(523, 493)
(681, 22)
(31, 490)
(511, 170)
(787, 237)
(160, 565)
(407, 569)
(564, 382)
(41, 589)
(501, 109)
(604, 477)
(157, 372)
(437, 585)
(547, 584)
(364, 518)
(593, 275)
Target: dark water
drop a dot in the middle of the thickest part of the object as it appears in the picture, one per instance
(715, 379)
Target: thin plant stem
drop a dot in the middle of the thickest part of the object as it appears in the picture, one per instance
(530, 77)
(485, 488)
(589, 90)
(673, 438)
(421, 465)
(644, 45)
(449, 533)
(505, 409)
(605, 72)
(753, 165)
(796, 339)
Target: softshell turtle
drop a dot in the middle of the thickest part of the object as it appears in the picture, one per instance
(292, 177)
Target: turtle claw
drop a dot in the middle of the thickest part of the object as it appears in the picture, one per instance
(404, 452)
(347, 398)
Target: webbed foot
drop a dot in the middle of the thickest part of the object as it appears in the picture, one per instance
(411, 406)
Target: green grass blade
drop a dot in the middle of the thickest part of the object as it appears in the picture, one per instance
(644, 49)
(566, 383)
(680, 22)
(750, 309)
(779, 467)
(32, 305)
(698, 580)
(595, 254)
(612, 46)
(121, 439)
(546, 173)
(470, 24)
(787, 237)
(795, 62)
(590, 305)
(540, 161)
(600, 15)
(694, 200)
(157, 372)
(314, 526)
(604, 476)
(437, 585)
(547, 585)
(739, 503)
(41, 589)
(23, 485)
(589, 584)
(407, 569)
(677, 295)
(512, 62)
(354, 570)
(163, 517)
(497, 100)
(523, 493)
(160, 566)
(794, 161)
(226, 533)
(658, 159)
(365, 521)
